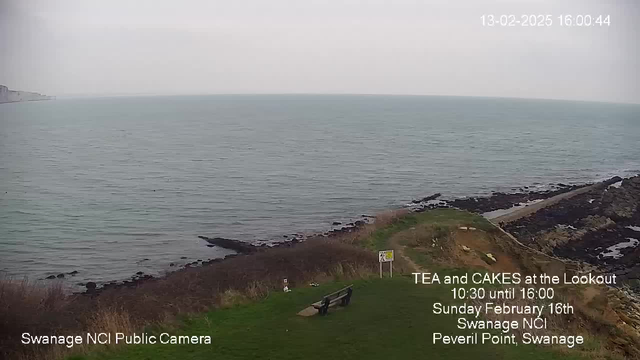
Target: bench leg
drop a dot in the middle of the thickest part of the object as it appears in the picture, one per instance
(325, 307)
(345, 300)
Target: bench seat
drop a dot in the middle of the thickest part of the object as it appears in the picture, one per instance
(342, 296)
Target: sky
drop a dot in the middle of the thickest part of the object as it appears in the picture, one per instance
(438, 47)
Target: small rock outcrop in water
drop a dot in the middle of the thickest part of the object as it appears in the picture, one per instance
(236, 245)
(7, 95)
(428, 198)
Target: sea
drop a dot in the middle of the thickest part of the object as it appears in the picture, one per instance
(112, 186)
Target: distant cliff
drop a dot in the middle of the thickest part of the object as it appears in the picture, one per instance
(7, 95)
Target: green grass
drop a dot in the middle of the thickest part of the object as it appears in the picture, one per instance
(450, 217)
(387, 319)
(379, 240)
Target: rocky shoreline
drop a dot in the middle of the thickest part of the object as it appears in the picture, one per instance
(498, 200)
(578, 231)
(600, 227)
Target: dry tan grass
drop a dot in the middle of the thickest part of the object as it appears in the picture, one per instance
(381, 220)
(27, 306)
(232, 298)
(358, 236)
(388, 217)
(111, 321)
(256, 290)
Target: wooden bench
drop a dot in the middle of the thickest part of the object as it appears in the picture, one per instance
(342, 296)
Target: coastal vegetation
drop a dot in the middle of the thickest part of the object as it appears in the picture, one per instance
(239, 302)
(38, 309)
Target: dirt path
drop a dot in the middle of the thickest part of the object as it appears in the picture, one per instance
(399, 251)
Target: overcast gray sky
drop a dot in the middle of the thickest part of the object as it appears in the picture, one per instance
(74, 47)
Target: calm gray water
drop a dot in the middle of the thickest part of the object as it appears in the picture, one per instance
(99, 185)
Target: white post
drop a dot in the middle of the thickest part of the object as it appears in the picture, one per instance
(391, 268)
(380, 270)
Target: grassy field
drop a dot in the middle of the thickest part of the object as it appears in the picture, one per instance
(387, 319)
(442, 217)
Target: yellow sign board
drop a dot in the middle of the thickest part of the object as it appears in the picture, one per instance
(385, 256)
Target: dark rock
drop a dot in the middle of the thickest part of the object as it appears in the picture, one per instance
(584, 227)
(50, 277)
(60, 276)
(209, 245)
(139, 273)
(91, 285)
(74, 272)
(613, 180)
(108, 286)
(172, 264)
(621, 203)
(428, 198)
(500, 200)
(183, 257)
(236, 245)
(336, 223)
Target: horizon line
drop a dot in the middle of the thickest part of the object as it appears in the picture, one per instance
(116, 95)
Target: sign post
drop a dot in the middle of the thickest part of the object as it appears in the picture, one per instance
(386, 256)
